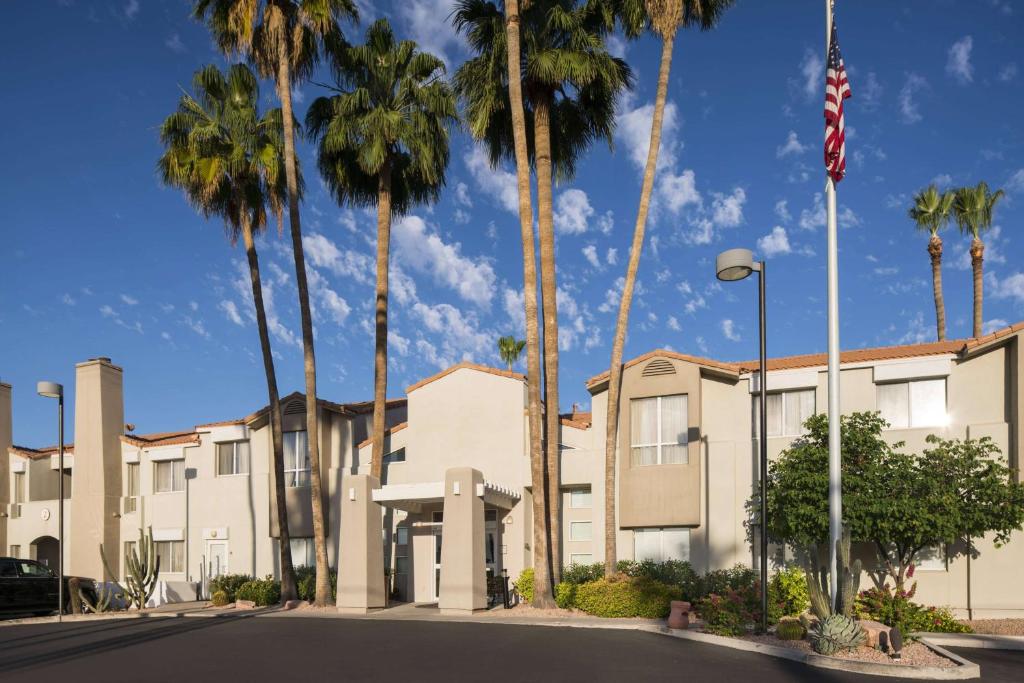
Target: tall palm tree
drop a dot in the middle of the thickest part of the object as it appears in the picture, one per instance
(664, 18)
(282, 38)
(570, 84)
(228, 161)
(931, 212)
(383, 140)
(510, 349)
(973, 210)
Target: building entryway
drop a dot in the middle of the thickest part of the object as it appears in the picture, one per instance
(46, 549)
(438, 519)
(216, 558)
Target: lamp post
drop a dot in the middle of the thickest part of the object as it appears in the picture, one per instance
(54, 390)
(731, 266)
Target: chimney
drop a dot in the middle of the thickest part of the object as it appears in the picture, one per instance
(96, 493)
(6, 435)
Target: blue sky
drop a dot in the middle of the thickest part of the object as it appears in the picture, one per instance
(99, 259)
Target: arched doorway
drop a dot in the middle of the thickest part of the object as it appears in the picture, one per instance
(46, 549)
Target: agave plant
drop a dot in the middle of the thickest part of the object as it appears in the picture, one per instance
(834, 633)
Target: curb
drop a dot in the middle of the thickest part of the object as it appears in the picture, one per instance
(974, 640)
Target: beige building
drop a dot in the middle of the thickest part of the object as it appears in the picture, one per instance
(455, 492)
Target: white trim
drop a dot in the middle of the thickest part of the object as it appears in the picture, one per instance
(69, 461)
(132, 456)
(423, 491)
(18, 466)
(918, 369)
(228, 433)
(783, 380)
(166, 453)
(169, 534)
(858, 365)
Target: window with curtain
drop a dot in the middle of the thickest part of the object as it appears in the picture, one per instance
(171, 554)
(921, 403)
(303, 551)
(579, 498)
(169, 475)
(579, 531)
(296, 459)
(786, 412)
(131, 487)
(661, 544)
(232, 458)
(659, 430)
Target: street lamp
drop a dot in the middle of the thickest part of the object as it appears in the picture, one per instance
(731, 266)
(54, 390)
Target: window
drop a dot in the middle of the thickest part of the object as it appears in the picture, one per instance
(581, 558)
(579, 531)
(171, 554)
(15, 551)
(579, 498)
(31, 568)
(303, 551)
(670, 543)
(19, 494)
(232, 458)
(659, 432)
(131, 487)
(931, 559)
(8, 569)
(402, 550)
(786, 412)
(296, 459)
(169, 476)
(921, 403)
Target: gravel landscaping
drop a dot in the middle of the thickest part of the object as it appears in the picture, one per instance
(997, 627)
(914, 654)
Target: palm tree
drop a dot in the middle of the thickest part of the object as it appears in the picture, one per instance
(510, 349)
(383, 140)
(228, 161)
(570, 83)
(973, 210)
(931, 212)
(282, 38)
(665, 17)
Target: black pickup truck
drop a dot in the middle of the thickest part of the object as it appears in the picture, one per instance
(29, 587)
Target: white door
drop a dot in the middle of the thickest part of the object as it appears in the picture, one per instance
(216, 558)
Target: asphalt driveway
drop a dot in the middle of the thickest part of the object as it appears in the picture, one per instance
(275, 649)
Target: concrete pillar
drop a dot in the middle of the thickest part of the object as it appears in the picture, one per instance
(96, 489)
(6, 432)
(361, 552)
(463, 573)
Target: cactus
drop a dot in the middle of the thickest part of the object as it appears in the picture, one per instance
(818, 581)
(835, 632)
(790, 629)
(142, 567)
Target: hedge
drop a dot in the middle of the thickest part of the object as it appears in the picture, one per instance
(263, 592)
(229, 584)
(626, 596)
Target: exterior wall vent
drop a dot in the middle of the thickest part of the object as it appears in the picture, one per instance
(659, 366)
(295, 407)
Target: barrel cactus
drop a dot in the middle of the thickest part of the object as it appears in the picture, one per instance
(834, 633)
(790, 629)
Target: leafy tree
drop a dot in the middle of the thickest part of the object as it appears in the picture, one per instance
(383, 140)
(570, 85)
(973, 210)
(510, 349)
(229, 162)
(899, 503)
(283, 39)
(664, 17)
(931, 211)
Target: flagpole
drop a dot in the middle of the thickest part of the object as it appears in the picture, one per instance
(835, 499)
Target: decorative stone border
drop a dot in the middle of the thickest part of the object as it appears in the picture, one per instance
(976, 640)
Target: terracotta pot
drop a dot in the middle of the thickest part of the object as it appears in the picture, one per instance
(679, 617)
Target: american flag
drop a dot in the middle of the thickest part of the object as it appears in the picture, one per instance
(837, 89)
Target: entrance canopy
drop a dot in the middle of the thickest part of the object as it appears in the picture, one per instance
(412, 497)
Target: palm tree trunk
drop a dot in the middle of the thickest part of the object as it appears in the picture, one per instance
(284, 91)
(380, 346)
(977, 257)
(288, 591)
(542, 594)
(549, 309)
(622, 323)
(935, 251)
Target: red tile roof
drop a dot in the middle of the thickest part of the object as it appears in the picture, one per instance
(160, 439)
(387, 432)
(577, 419)
(465, 365)
(39, 453)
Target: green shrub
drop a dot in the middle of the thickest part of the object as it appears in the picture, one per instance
(719, 581)
(672, 572)
(626, 596)
(565, 594)
(896, 609)
(582, 573)
(524, 585)
(790, 629)
(263, 592)
(229, 583)
(305, 583)
(220, 598)
(732, 611)
(787, 593)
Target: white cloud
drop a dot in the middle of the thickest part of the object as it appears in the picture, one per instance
(196, 325)
(869, 93)
(816, 216)
(427, 22)
(130, 300)
(812, 73)
(678, 191)
(572, 209)
(917, 332)
(512, 302)
(612, 257)
(401, 286)
(131, 8)
(943, 180)
(426, 252)
(461, 217)
(729, 330)
(612, 296)
(459, 332)
(913, 85)
(174, 44)
(68, 300)
(701, 231)
(398, 343)
(231, 311)
(498, 183)
(959, 64)
(326, 300)
(1008, 72)
(590, 253)
(774, 243)
(727, 210)
(782, 211)
(1015, 183)
(990, 326)
(1010, 287)
(673, 324)
(323, 253)
(462, 194)
(792, 145)
(633, 128)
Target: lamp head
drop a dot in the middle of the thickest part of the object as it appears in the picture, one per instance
(735, 264)
(50, 389)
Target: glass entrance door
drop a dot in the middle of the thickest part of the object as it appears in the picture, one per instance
(438, 519)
